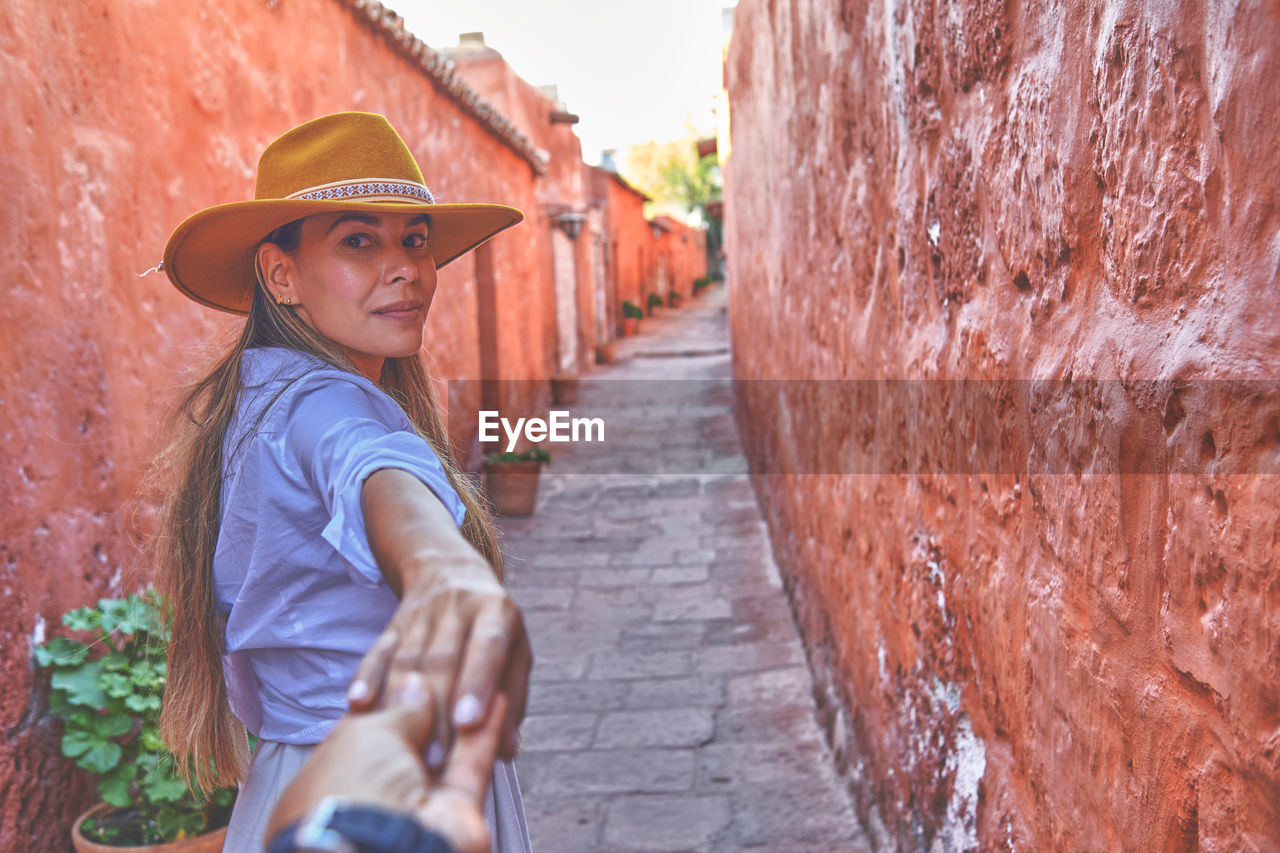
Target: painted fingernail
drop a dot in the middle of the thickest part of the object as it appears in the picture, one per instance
(357, 691)
(435, 755)
(467, 711)
(414, 690)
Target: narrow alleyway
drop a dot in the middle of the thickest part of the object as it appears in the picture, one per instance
(671, 706)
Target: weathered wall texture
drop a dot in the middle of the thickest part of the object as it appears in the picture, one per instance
(1000, 191)
(120, 119)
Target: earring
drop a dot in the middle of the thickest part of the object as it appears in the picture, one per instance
(287, 300)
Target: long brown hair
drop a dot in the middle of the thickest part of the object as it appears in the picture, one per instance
(196, 722)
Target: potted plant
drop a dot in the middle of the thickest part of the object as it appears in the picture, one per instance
(564, 389)
(107, 692)
(700, 283)
(607, 353)
(655, 301)
(511, 480)
(674, 299)
(631, 317)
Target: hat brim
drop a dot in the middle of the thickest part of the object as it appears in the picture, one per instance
(210, 256)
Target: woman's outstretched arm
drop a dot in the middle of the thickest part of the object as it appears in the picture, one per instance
(455, 624)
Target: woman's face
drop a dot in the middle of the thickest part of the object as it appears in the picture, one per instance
(364, 281)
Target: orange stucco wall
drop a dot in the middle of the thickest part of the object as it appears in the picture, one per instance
(630, 244)
(616, 222)
(684, 254)
(561, 190)
(122, 118)
(1026, 656)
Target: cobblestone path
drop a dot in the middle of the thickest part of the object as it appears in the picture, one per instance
(671, 706)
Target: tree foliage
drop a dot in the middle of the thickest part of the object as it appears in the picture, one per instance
(694, 186)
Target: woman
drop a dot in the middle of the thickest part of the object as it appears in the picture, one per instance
(320, 544)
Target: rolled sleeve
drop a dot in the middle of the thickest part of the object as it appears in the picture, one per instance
(342, 431)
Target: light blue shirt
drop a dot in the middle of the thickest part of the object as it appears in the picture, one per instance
(293, 575)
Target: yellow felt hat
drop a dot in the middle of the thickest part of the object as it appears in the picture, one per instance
(345, 161)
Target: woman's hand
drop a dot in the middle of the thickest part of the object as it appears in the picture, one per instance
(466, 637)
(455, 625)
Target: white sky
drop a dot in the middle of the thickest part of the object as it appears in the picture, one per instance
(632, 70)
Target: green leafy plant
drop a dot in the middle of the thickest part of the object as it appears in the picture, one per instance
(533, 454)
(700, 283)
(631, 311)
(695, 185)
(655, 301)
(108, 693)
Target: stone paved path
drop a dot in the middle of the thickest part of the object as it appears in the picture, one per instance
(671, 706)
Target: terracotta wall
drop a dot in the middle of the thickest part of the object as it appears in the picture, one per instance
(684, 254)
(629, 242)
(997, 191)
(121, 119)
(561, 190)
(605, 307)
(614, 214)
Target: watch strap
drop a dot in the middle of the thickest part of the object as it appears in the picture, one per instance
(368, 829)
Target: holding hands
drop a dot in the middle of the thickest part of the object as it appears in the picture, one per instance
(456, 627)
(371, 760)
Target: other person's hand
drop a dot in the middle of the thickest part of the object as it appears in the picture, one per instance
(375, 759)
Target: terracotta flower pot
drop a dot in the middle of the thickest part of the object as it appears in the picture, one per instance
(630, 326)
(210, 842)
(564, 390)
(607, 353)
(512, 486)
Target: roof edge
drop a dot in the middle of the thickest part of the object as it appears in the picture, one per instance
(622, 182)
(387, 24)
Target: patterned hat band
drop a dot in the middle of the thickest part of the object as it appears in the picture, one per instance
(368, 189)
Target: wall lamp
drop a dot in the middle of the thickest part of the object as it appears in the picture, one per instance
(570, 224)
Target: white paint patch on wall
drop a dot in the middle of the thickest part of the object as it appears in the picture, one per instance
(968, 762)
(947, 694)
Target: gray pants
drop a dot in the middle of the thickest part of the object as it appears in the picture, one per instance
(275, 764)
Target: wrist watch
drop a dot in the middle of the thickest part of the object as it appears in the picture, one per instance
(336, 825)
